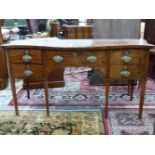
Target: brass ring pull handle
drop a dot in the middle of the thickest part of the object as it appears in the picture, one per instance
(125, 74)
(28, 73)
(58, 58)
(126, 58)
(91, 59)
(27, 58)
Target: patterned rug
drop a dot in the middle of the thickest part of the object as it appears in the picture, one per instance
(59, 123)
(126, 122)
(77, 92)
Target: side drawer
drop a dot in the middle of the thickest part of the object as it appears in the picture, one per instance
(17, 56)
(136, 56)
(19, 71)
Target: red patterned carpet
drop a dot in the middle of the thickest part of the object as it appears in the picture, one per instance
(78, 92)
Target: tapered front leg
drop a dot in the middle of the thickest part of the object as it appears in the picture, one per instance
(13, 87)
(142, 93)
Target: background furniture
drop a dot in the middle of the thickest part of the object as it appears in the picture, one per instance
(151, 71)
(55, 30)
(3, 67)
(116, 28)
(115, 59)
(149, 35)
(77, 32)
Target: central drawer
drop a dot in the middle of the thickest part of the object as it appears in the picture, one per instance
(76, 59)
(27, 71)
(19, 56)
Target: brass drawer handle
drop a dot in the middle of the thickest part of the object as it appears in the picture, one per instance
(27, 58)
(58, 58)
(91, 59)
(28, 73)
(125, 74)
(126, 58)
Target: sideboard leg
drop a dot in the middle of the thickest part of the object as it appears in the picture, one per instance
(142, 93)
(13, 87)
(46, 96)
(106, 98)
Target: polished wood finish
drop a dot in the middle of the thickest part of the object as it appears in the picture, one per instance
(77, 32)
(103, 55)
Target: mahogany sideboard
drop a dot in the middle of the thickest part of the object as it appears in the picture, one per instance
(115, 59)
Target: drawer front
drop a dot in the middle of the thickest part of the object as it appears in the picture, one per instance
(23, 56)
(24, 71)
(127, 72)
(63, 59)
(87, 59)
(131, 57)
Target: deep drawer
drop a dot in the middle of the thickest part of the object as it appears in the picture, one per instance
(20, 71)
(135, 71)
